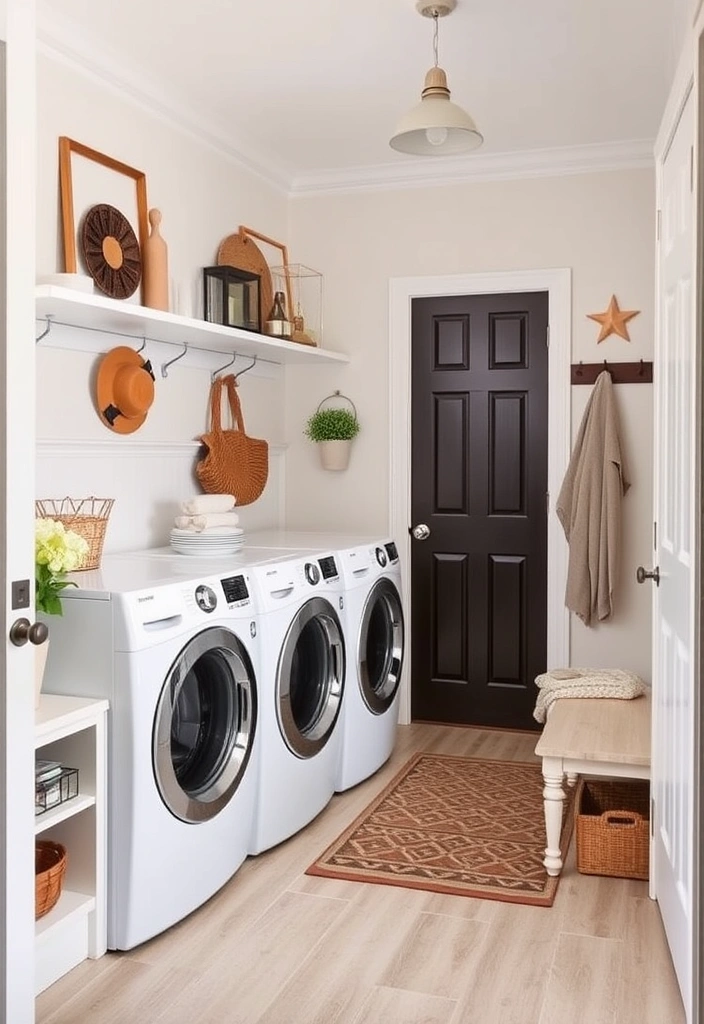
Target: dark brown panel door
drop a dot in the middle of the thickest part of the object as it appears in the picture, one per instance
(479, 482)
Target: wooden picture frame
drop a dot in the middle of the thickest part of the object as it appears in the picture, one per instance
(66, 148)
(284, 259)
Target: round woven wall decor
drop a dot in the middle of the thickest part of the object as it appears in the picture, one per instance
(111, 251)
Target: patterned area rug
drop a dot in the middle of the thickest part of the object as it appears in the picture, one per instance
(455, 825)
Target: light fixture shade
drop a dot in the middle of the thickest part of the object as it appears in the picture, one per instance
(436, 127)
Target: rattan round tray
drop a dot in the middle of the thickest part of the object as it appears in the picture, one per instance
(241, 252)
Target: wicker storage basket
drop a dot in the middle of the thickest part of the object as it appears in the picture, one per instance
(613, 827)
(49, 871)
(88, 517)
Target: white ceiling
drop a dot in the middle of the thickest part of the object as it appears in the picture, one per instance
(304, 89)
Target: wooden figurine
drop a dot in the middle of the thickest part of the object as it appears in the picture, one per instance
(155, 266)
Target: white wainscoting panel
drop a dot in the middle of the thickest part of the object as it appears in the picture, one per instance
(148, 481)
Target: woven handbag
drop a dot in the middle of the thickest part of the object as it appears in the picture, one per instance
(234, 463)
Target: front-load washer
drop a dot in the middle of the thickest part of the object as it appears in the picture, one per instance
(178, 661)
(374, 629)
(303, 673)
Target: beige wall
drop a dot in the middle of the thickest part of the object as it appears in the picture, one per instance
(601, 226)
(203, 197)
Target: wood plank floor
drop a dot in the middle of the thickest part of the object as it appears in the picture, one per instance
(278, 947)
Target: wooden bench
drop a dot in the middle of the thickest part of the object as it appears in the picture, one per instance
(589, 736)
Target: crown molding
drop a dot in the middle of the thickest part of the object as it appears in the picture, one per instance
(434, 171)
(66, 44)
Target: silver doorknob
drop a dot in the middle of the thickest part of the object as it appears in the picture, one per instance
(21, 631)
(642, 575)
(420, 532)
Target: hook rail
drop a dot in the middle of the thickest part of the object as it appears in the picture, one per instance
(632, 372)
(214, 374)
(47, 329)
(176, 359)
(247, 368)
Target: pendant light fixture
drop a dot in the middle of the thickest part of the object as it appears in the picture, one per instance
(436, 127)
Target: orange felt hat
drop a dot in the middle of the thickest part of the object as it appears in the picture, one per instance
(125, 390)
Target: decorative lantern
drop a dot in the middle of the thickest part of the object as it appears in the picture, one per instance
(304, 286)
(231, 297)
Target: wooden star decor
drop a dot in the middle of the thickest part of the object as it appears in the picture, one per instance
(613, 320)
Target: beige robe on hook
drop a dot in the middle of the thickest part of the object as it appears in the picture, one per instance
(589, 507)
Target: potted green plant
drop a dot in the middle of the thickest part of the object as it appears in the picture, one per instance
(56, 552)
(333, 430)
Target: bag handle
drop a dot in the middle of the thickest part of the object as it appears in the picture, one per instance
(627, 818)
(215, 401)
(234, 399)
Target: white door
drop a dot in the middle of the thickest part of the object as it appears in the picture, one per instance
(17, 200)
(675, 552)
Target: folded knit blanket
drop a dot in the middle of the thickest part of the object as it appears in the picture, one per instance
(585, 682)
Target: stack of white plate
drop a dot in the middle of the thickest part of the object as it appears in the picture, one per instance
(216, 541)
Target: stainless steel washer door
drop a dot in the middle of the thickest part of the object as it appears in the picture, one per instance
(380, 651)
(310, 678)
(204, 725)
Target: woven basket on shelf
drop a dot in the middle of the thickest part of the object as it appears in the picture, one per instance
(88, 517)
(49, 871)
(613, 827)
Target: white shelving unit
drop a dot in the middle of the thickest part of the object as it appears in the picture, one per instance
(99, 313)
(73, 730)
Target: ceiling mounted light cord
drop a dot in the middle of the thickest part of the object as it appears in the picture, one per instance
(436, 127)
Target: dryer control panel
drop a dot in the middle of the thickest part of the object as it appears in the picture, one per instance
(235, 590)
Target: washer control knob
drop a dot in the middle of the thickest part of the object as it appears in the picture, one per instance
(381, 557)
(206, 598)
(312, 573)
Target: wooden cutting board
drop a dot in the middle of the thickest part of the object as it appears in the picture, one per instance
(241, 252)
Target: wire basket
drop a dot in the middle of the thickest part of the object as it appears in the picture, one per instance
(49, 871)
(88, 517)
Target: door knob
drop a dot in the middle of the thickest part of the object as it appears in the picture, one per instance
(420, 532)
(642, 575)
(21, 631)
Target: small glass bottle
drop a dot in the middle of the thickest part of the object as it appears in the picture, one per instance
(277, 323)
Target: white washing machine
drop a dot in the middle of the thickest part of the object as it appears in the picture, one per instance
(303, 673)
(374, 629)
(178, 659)
(374, 634)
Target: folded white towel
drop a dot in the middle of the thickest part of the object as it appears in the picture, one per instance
(585, 682)
(206, 521)
(202, 504)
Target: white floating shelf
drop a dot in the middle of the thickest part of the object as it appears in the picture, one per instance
(99, 313)
(62, 811)
(70, 904)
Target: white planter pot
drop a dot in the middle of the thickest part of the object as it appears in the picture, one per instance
(41, 652)
(334, 454)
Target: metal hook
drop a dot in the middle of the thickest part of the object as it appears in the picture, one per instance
(45, 331)
(215, 373)
(165, 366)
(142, 346)
(247, 368)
